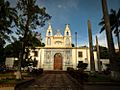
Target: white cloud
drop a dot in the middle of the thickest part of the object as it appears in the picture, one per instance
(115, 41)
(59, 6)
(102, 40)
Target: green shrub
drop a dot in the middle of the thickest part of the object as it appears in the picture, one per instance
(37, 71)
(82, 65)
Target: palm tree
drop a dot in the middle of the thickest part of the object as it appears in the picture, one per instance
(8, 15)
(92, 62)
(114, 18)
(98, 55)
(115, 74)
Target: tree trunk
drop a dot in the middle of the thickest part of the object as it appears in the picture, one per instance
(18, 72)
(23, 48)
(92, 63)
(98, 55)
(118, 39)
(111, 49)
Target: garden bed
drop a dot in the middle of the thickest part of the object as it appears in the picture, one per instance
(9, 79)
(99, 78)
(82, 76)
(8, 82)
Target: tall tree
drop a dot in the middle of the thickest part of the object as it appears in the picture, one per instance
(114, 18)
(13, 49)
(8, 15)
(113, 60)
(92, 63)
(103, 52)
(30, 16)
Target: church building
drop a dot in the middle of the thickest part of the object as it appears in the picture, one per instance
(58, 53)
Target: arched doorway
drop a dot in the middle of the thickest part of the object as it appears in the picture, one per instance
(58, 61)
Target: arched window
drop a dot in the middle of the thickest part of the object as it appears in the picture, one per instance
(67, 41)
(49, 33)
(67, 33)
(49, 41)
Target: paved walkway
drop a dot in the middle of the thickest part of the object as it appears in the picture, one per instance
(54, 82)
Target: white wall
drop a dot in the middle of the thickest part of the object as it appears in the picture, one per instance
(104, 62)
(85, 58)
(9, 62)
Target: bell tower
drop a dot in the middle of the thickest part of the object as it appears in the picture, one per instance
(49, 35)
(67, 36)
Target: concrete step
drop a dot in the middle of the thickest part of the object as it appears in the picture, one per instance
(54, 72)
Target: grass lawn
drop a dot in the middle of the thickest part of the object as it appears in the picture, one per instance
(6, 81)
(10, 78)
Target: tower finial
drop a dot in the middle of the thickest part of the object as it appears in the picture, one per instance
(67, 27)
(49, 25)
(49, 30)
(67, 30)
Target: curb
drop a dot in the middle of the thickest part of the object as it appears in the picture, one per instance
(103, 83)
(7, 85)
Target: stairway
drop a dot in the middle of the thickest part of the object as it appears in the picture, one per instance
(54, 72)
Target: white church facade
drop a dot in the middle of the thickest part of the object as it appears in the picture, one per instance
(58, 53)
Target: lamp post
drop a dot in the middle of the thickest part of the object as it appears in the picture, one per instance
(76, 47)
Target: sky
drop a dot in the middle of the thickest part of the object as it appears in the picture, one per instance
(76, 13)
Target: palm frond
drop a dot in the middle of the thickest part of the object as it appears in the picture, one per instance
(102, 29)
(101, 23)
(112, 27)
(118, 14)
(113, 12)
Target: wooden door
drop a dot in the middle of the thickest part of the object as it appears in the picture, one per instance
(58, 61)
